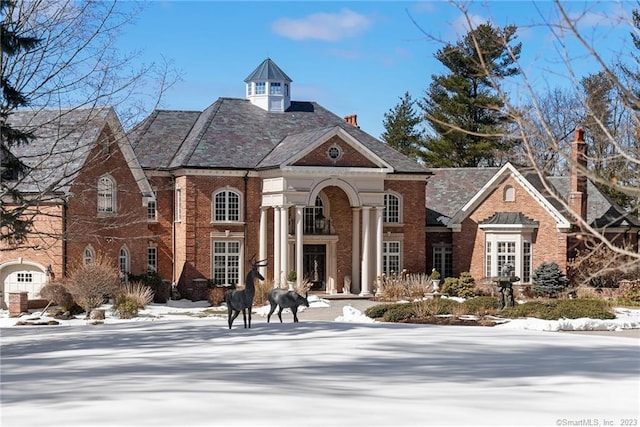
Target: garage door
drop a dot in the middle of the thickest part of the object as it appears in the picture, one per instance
(21, 278)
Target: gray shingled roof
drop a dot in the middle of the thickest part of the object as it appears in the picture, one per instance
(235, 134)
(63, 141)
(267, 71)
(448, 190)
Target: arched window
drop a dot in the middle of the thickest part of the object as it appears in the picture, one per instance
(509, 194)
(89, 255)
(226, 206)
(123, 261)
(106, 195)
(392, 209)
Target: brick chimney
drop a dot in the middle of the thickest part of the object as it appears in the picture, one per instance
(352, 119)
(578, 194)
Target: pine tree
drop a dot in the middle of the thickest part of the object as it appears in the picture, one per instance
(400, 127)
(548, 279)
(462, 107)
(13, 223)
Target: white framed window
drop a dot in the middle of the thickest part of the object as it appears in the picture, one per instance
(392, 209)
(314, 221)
(226, 206)
(88, 255)
(152, 208)
(249, 86)
(509, 194)
(152, 259)
(275, 88)
(106, 195)
(123, 261)
(178, 207)
(260, 88)
(443, 259)
(509, 248)
(226, 262)
(24, 277)
(391, 257)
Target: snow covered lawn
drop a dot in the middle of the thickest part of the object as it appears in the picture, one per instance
(176, 370)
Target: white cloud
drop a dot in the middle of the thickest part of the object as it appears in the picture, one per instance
(461, 26)
(323, 26)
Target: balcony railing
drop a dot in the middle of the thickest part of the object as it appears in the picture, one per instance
(318, 227)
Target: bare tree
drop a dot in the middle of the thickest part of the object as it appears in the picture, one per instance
(617, 129)
(75, 66)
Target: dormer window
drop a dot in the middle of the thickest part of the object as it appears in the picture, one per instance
(260, 88)
(275, 88)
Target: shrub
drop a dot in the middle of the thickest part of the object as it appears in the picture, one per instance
(90, 283)
(161, 289)
(481, 306)
(262, 292)
(216, 295)
(58, 295)
(557, 309)
(435, 307)
(130, 298)
(630, 290)
(399, 313)
(377, 311)
(462, 287)
(600, 266)
(548, 280)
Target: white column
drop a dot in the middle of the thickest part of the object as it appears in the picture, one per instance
(284, 243)
(262, 250)
(366, 243)
(378, 269)
(355, 250)
(299, 243)
(276, 247)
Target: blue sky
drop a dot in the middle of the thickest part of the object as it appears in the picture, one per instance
(350, 57)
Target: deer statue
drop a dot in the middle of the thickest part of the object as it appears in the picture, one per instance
(286, 299)
(242, 300)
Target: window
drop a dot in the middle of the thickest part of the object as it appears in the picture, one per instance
(25, 277)
(152, 259)
(178, 208)
(513, 249)
(226, 206)
(391, 209)
(152, 214)
(312, 217)
(260, 88)
(89, 255)
(106, 195)
(509, 194)
(286, 89)
(390, 257)
(248, 89)
(123, 261)
(443, 260)
(226, 262)
(275, 88)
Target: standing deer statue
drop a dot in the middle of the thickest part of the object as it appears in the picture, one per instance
(286, 299)
(242, 300)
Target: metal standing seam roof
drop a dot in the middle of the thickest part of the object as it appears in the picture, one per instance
(509, 218)
(267, 71)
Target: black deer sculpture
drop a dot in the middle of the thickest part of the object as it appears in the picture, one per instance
(286, 299)
(242, 300)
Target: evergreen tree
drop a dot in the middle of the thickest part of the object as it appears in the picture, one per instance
(13, 222)
(463, 107)
(400, 127)
(548, 279)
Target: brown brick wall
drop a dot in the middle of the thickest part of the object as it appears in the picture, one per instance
(548, 244)
(350, 156)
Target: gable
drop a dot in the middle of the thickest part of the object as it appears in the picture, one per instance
(510, 173)
(335, 152)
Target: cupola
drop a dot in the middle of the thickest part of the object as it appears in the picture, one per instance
(268, 87)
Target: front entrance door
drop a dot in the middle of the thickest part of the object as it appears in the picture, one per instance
(314, 260)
